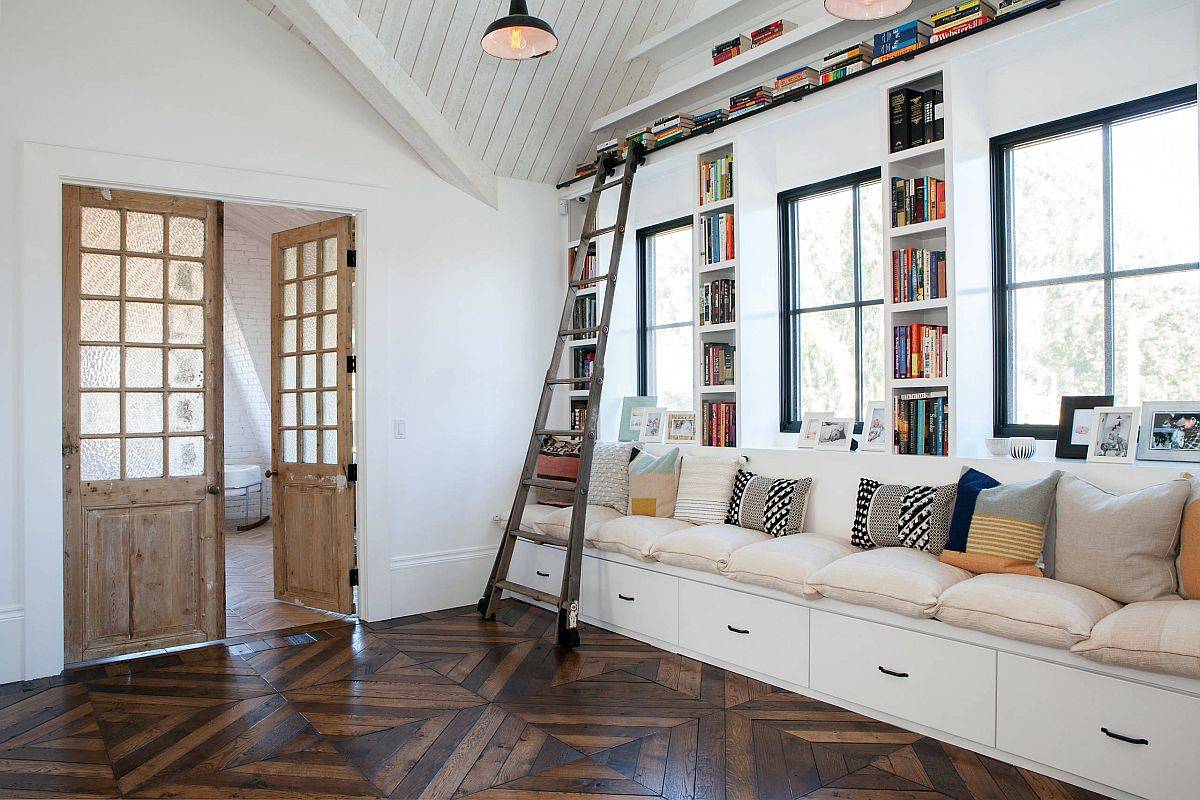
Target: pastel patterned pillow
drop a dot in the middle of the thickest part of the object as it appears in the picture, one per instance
(1000, 527)
(771, 505)
(893, 515)
(653, 481)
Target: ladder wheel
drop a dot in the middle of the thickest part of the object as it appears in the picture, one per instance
(567, 637)
(481, 607)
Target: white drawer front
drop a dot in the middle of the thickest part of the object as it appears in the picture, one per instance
(548, 564)
(758, 633)
(636, 599)
(945, 685)
(520, 569)
(1057, 715)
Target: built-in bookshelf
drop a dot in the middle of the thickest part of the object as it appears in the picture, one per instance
(582, 347)
(716, 346)
(919, 261)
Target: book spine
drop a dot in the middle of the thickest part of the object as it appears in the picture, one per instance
(916, 123)
(897, 121)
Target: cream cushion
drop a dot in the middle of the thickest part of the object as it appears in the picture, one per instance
(534, 513)
(558, 524)
(1038, 610)
(705, 547)
(898, 579)
(634, 535)
(1158, 635)
(785, 562)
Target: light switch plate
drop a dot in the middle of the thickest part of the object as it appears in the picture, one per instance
(399, 429)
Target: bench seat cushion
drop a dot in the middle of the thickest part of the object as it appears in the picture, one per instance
(558, 524)
(534, 513)
(1032, 609)
(784, 563)
(705, 547)
(1157, 635)
(898, 579)
(635, 535)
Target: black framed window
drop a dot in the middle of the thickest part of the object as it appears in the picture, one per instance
(666, 314)
(1097, 286)
(831, 297)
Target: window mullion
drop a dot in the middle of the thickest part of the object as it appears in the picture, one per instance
(1109, 282)
(856, 266)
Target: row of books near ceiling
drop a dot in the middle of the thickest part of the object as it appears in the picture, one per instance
(901, 42)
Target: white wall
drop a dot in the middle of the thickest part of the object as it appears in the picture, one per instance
(455, 301)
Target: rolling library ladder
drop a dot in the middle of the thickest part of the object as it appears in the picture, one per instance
(567, 600)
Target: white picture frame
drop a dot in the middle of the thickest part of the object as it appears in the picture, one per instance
(653, 426)
(680, 427)
(835, 433)
(810, 422)
(1170, 432)
(1114, 438)
(876, 435)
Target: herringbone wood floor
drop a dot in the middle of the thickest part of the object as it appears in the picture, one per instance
(444, 705)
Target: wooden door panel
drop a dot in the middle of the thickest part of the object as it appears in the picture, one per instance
(107, 595)
(315, 578)
(164, 565)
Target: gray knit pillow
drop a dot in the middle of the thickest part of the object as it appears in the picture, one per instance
(610, 475)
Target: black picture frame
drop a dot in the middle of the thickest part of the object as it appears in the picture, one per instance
(1066, 418)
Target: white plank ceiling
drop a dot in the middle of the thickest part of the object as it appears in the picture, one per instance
(526, 119)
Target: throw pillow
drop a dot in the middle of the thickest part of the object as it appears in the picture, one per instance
(1189, 544)
(891, 515)
(1000, 527)
(558, 459)
(652, 483)
(771, 505)
(705, 486)
(610, 475)
(1122, 546)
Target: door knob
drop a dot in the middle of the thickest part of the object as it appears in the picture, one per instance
(270, 473)
(214, 489)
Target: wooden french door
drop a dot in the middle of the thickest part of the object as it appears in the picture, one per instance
(142, 440)
(312, 493)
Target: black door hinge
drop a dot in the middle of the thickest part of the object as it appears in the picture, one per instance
(352, 473)
(352, 258)
(351, 363)
(354, 576)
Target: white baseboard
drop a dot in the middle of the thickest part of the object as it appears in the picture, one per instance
(12, 634)
(445, 579)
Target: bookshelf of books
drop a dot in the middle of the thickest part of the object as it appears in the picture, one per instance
(919, 262)
(582, 347)
(714, 225)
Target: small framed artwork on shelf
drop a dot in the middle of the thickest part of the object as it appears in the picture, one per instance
(633, 411)
(1114, 435)
(1075, 424)
(810, 424)
(875, 428)
(1171, 432)
(653, 425)
(835, 433)
(680, 427)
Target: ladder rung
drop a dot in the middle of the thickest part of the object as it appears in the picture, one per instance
(529, 591)
(599, 232)
(542, 483)
(577, 331)
(614, 183)
(588, 281)
(549, 432)
(538, 538)
(588, 379)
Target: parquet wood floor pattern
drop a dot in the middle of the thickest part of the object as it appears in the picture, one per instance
(445, 705)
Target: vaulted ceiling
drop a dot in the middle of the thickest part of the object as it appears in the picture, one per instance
(523, 119)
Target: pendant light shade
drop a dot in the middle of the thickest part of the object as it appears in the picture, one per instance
(866, 9)
(519, 36)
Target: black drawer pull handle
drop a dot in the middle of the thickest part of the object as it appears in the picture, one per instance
(887, 671)
(735, 630)
(623, 597)
(542, 574)
(1118, 736)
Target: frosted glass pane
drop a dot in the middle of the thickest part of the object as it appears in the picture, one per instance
(187, 236)
(185, 412)
(187, 280)
(287, 409)
(329, 296)
(289, 336)
(308, 408)
(99, 412)
(143, 412)
(308, 292)
(309, 258)
(289, 300)
(143, 367)
(100, 274)
(99, 367)
(143, 232)
(329, 451)
(289, 263)
(100, 459)
(100, 227)
(308, 447)
(308, 372)
(143, 322)
(98, 320)
(143, 277)
(185, 369)
(330, 254)
(329, 408)
(329, 370)
(185, 324)
(144, 458)
(309, 330)
(287, 372)
(289, 446)
(187, 455)
(329, 331)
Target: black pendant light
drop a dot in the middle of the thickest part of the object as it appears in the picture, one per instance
(519, 36)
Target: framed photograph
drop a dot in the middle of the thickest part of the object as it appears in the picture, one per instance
(633, 410)
(875, 428)
(809, 425)
(653, 425)
(1171, 432)
(1075, 424)
(1113, 438)
(835, 433)
(680, 427)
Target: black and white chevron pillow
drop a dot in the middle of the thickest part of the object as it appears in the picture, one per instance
(771, 505)
(892, 515)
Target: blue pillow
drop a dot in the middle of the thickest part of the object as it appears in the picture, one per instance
(970, 484)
